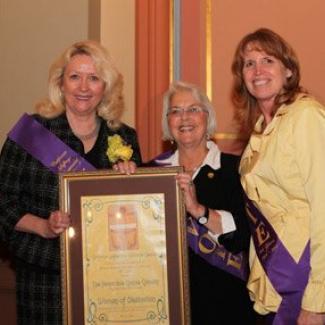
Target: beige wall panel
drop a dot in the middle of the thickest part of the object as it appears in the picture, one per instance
(32, 34)
(299, 22)
(118, 36)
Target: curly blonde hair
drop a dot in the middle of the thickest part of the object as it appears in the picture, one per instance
(110, 107)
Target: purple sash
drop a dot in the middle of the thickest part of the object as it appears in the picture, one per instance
(288, 278)
(46, 147)
(203, 245)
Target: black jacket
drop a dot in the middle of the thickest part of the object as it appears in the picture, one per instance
(26, 186)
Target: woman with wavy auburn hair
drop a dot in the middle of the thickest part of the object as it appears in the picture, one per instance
(282, 173)
(80, 115)
(271, 43)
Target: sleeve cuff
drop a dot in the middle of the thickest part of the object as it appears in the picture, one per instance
(227, 223)
(314, 297)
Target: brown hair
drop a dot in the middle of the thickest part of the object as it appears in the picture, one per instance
(266, 40)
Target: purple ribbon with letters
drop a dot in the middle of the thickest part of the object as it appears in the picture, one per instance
(288, 278)
(215, 254)
(203, 245)
(46, 147)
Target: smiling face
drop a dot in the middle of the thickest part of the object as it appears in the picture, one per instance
(189, 127)
(264, 75)
(82, 87)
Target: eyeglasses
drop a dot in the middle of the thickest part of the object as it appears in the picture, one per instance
(191, 110)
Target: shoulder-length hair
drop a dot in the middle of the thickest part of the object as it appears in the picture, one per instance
(266, 40)
(199, 95)
(110, 107)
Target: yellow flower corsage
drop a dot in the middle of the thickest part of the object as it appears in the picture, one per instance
(117, 149)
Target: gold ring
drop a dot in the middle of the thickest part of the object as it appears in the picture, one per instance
(191, 183)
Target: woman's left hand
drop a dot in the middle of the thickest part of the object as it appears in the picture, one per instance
(310, 318)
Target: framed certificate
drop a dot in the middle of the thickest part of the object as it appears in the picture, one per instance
(124, 258)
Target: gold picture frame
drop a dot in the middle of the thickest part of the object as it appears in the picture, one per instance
(124, 258)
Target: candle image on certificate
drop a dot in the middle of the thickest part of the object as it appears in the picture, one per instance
(122, 227)
(124, 259)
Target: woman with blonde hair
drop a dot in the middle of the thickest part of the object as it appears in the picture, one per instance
(83, 109)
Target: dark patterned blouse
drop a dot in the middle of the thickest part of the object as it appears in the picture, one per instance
(26, 186)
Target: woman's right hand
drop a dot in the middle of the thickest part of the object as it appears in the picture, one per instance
(57, 223)
(310, 318)
(52, 227)
(185, 182)
(125, 167)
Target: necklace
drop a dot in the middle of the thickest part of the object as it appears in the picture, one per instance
(90, 135)
(191, 170)
(191, 162)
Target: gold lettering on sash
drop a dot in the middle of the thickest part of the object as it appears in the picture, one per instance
(267, 249)
(270, 246)
(75, 162)
(203, 248)
(262, 234)
(253, 219)
(57, 161)
(264, 241)
(221, 252)
(208, 246)
(235, 261)
(63, 164)
(191, 228)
